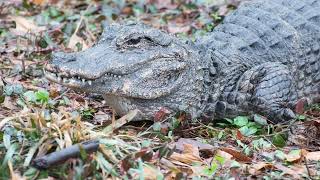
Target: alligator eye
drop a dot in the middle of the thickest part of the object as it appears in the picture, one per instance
(138, 41)
(134, 41)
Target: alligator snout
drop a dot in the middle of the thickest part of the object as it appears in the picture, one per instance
(61, 57)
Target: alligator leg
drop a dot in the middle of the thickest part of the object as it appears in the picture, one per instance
(272, 91)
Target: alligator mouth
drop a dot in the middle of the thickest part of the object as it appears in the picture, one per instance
(74, 80)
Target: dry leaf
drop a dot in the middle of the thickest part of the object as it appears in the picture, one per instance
(300, 105)
(289, 171)
(67, 138)
(74, 40)
(237, 155)
(38, 2)
(189, 155)
(257, 168)
(175, 28)
(199, 145)
(24, 25)
(14, 175)
(239, 135)
(164, 4)
(150, 172)
(8, 103)
(295, 155)
(161, 114)
(313, 156)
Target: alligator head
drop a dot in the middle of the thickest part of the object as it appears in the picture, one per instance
(135, 67)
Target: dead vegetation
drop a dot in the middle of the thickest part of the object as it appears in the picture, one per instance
(39, 118)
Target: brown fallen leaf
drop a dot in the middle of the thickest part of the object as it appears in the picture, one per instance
(8, 103)
(163, 4)
(295, 155)
(305, 135)
(224, 154)
(38, 2)
(237, 155)
(201, 146)
(102, 118)
(239, 135)
(190, 155)
(150, 173)
(300, 106)
(289, 171)
(258, 167)
(161, 114)
(177, 28)
(313, 156)
(74, 40)
(24, 25)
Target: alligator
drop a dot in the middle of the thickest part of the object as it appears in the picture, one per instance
(263, 58)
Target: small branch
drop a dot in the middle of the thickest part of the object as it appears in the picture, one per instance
(57, 157)
(306, 164)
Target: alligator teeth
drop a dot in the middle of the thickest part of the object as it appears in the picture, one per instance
(90, 82)
(59, 78)
(83, 80)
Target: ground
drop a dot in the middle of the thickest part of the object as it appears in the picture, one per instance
(38, 117)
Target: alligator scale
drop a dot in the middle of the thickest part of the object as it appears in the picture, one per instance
(262, 59)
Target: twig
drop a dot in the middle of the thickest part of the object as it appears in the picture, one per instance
(57, 157)
(306, 163)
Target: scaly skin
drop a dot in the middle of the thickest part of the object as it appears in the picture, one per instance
(262, 59)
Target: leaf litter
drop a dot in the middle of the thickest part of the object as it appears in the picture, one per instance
(38, 118)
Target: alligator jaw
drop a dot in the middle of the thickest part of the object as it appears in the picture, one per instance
(74, 82)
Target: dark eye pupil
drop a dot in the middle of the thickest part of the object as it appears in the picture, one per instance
(134, 41)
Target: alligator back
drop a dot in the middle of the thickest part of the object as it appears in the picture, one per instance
(285, 31)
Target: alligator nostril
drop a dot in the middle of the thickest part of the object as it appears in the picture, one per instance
(71, 59)
(60, 57)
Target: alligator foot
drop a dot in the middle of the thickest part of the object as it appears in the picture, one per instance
(272, 90)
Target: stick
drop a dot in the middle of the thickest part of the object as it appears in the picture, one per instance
(57, 157)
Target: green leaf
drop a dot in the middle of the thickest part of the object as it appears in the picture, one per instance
(42, 96)
(240, 121)
(156, 126)
(105, 165)
(13, 89)
(30, 96)
(220, 159)
(6, 140)
(229, 120)
(235, 164)
(83, 153)
(146, 143)
(9, 154)
(2, 97)
(54, 12)
(280, 155)
(174, 123)
(247, 131)
(261, 144)
(278, 140)
(31, 173)
(212, 169)
(221, 134)
(301, 117)
(260, 120)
